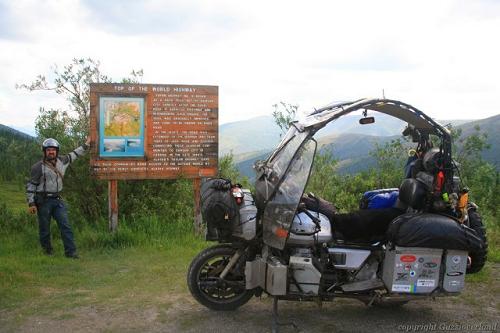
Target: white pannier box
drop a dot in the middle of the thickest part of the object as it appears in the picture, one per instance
(455, 268)
(412, 270)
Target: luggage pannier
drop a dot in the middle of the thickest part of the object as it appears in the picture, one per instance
(418, 270)
(433, 231)
(218, 209)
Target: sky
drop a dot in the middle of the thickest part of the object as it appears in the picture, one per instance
(439, 56)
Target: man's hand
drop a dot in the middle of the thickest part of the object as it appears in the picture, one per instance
(32, 210)
(88, 141)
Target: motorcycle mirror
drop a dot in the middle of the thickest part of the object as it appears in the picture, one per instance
(367, 120)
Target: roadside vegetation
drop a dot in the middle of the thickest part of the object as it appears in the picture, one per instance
(155, 241)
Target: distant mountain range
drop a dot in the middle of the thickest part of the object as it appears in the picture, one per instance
(350, 143)
(253, 139)
(15, 132)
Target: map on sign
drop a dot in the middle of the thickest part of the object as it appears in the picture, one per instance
(121, 126)
(122, 118)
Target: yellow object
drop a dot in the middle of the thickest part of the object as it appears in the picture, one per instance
(412, 152)
(462, 202)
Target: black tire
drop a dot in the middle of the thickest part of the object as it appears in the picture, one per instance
(220, 295)
(478, 258)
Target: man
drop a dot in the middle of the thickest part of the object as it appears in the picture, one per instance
(43, 193)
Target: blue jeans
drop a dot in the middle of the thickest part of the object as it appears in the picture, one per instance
(54, 207)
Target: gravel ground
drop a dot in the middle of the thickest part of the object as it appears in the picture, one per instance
(477, 309)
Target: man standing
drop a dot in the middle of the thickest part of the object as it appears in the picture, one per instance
(43, 193)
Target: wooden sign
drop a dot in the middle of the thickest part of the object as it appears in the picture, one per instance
(153, 131)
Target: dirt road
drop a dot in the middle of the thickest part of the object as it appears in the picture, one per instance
(475, 310)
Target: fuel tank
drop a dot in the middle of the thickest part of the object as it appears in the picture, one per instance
(303, 230)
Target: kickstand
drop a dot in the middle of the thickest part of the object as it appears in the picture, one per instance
(276, 323)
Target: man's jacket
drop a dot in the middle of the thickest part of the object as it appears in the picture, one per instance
(47, 179)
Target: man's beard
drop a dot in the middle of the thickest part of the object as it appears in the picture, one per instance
(50, 157)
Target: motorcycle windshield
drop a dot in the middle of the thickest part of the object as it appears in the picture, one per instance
(280, 209)
(271, 172)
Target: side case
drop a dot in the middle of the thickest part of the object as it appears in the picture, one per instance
(455, 267)
(412, 270)
(246, 226)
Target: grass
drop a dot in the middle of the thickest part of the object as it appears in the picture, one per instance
(32, 283)
(143, 265)
(13, 196)
(493, 235)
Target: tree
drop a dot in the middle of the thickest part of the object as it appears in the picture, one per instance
(478, 175)
(228, 170)
(284, 114)
(71, 127)
(390, 159)
(73, 82)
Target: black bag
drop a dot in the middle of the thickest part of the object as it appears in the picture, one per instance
(433, 231)
(218, 209)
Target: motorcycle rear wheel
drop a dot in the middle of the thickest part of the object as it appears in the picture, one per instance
(478, 258)
(208, 289)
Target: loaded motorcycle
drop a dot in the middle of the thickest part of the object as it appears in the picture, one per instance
(297, 247)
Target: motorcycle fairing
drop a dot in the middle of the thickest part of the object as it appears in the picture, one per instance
(280, 210)
(270, 173)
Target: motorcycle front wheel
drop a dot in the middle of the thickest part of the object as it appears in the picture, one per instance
(209, 289)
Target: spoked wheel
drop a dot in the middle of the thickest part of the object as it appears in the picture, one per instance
(208, 288)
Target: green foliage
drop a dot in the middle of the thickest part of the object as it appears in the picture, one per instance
(391, 159)
(284, 114)
(17, 154)
(228, 170)
(345, 191)
(86, 195)
(73, 82)
(481, 177)
(12, 195)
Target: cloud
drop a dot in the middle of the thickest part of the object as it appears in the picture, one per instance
(440, 56)
(157, 17)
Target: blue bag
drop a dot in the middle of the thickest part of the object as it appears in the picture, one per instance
(383, 198)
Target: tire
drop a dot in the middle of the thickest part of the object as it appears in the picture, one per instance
(221, 295)
(478, 259)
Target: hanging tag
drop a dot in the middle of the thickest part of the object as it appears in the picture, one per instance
(226, 217)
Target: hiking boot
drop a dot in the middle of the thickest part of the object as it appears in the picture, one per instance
(72, 256)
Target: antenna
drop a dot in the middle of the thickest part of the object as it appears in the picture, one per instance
(383, 93)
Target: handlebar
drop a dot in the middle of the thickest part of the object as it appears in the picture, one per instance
(302, 209)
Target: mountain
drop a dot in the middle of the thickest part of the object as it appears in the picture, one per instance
(490, 126)
(255, 134)
(262, 133)
(384, 126)
(13, 132)
(352, 150)
(351, 143)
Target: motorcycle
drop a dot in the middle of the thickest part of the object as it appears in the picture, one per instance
(293, 246)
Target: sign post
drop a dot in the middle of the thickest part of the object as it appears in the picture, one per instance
(113, 204)
(153, 131)
(197, 206)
